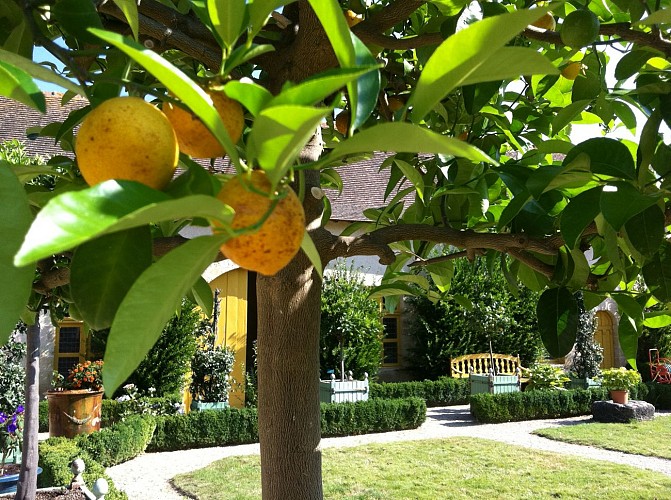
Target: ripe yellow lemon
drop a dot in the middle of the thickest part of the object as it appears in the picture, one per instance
(546, 22)
(580, 28)
(572, 70)
(352, 18)
(278, 240)
(194, 137)
(127, 138)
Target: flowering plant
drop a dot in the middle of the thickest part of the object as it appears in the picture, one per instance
(86, 375)
(10, 434)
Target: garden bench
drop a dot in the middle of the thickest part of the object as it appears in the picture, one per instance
(505, 364)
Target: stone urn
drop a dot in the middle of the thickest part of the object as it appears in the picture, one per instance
(74, 412)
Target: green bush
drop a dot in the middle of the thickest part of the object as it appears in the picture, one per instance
(442, 392)
(531, 405)
(55, 456)
(239, 426)
(43, 416)
(374, 415)
(351, 323)
(120, 442)
(659, 395)
(202, 429)
(543, 376)
(446, 329)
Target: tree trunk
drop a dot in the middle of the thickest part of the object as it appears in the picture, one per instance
(288, 370)
(27, 487)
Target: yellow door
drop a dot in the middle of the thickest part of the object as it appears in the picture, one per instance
(232, 326)
(604, 336)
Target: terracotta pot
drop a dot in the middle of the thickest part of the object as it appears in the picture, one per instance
(621, 397)
(74, 412)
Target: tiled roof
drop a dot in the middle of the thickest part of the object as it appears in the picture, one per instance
(363, 184)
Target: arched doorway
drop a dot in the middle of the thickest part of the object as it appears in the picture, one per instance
(604, 336)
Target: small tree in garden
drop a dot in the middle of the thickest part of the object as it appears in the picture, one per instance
(211, 368)
(351, 325)
(587, 355)
(12, 374)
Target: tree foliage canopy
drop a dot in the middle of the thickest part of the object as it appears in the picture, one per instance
(473, 86)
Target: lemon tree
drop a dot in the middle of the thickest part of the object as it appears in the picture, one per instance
(466, 101)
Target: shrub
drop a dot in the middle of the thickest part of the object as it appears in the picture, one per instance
(351, 325)
(659, 395)
(530, 405)
(12, 375)
(55, 456)
(211, 368)
(446, 329)
(587, 354)
(120, 442)
(238, 426)
(374, 415)
(619, 379)
(442, 392)
(544, 376)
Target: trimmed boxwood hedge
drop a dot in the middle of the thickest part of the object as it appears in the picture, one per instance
(531, 405)
(239, 426)
(659, 395)
(445, 391)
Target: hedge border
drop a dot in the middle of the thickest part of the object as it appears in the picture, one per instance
(445, 391)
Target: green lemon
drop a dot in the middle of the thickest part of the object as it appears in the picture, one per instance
(580, 28)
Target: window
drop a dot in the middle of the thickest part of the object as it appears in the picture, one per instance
(70, 346)
(392, 335)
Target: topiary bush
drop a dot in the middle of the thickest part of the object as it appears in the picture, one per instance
(119, 442)
(445, 329)
(531, 405)
(12, 374)
(55, 456)
(233, 426)
(445, 391)
(351, 325)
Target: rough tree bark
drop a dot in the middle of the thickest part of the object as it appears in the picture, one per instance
(27, 487)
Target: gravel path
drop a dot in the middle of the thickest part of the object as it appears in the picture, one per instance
(148, 476)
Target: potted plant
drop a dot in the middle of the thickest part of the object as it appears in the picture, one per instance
(619, 381)
(75, 402)
(211, 368)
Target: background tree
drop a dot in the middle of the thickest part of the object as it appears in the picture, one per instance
(498, 170)
(351, 325)
(587, 354)
(478, 308)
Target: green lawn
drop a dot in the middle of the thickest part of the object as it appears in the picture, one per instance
(453, 468)
(651, 438)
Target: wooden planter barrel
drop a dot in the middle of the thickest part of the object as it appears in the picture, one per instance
(494, 384)
(74, 412)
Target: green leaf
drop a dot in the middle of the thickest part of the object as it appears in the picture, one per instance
(103, 270)
(259, 10)
(129, 9)
(592, 300)
(578, 214)
(463, 53)
(367, 85)
(39, 72)
(252, 96)
(314, 90)
(15, 219)
(72, 218)
(533, 280)
(278, 136)
(513, 208)
(657, 319)
(150, 303)
(607, 157)
(228, 19)
(557, 312)
(413, 175)
(510, 63)
(657, 273)
(179, 84)
(620, 201)
(76, 17)
(661, 16)
(18, 85)
(392, 289)
(646, 230)
(403, 137)
(308, 246)
(548, 177)
(628, 333)
(631, 63)
(201, 295)
(568, 114)
(628, 305)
